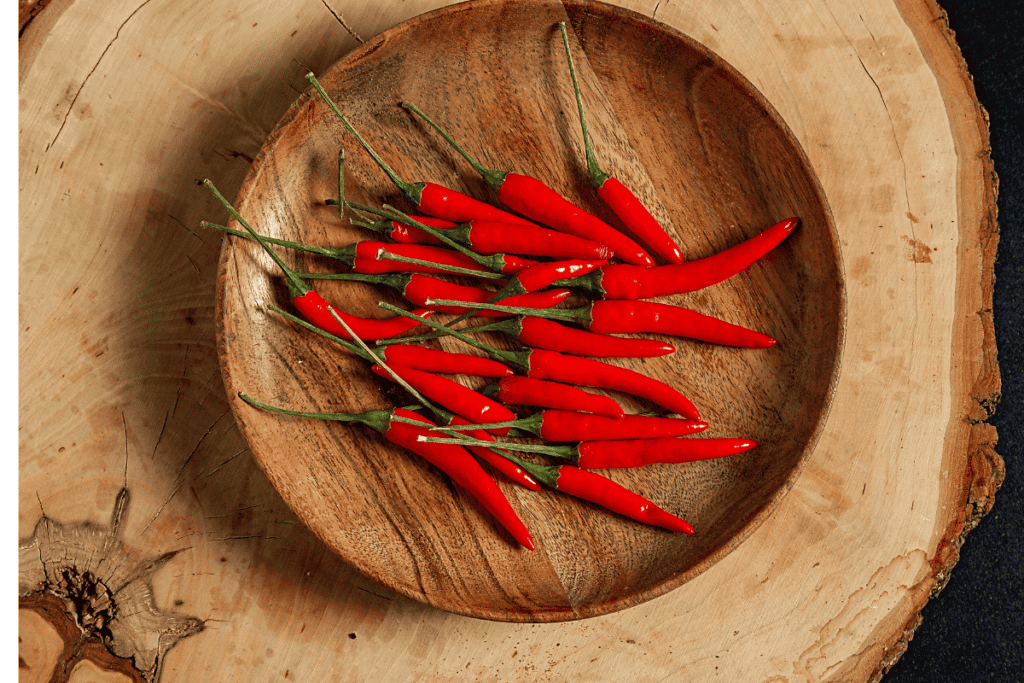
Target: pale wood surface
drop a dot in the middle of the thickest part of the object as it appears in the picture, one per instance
(125, 105)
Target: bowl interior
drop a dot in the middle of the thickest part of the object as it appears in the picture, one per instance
(670, 119)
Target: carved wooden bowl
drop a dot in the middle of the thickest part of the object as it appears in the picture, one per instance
(672, 120)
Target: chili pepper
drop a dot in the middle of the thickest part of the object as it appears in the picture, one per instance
(458, 398)
(419, 287)
(627, 453)
(542, 364)
(407, 234)
(616, 316)
(527, 391)
(537, 201)
(567, 425)
(436, 200)
(547, 334)
(491, 237)
(453, 460)
(496, 460)
(315, 308)
(617, 196)
(622, 281)
(503, 263)
(603, 491)
(437, 360)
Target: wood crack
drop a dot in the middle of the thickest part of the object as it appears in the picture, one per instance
(71, 107)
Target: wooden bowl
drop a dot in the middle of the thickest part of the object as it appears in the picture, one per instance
(696, 141)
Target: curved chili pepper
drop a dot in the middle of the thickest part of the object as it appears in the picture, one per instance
(537, 201)
(622, 281)
(314, 307)
(596, 455)
(620, 199)
(617, 498)
(437, 360)
(408, 234)
(618, 316)
(540, 333)
(423, 289)
(542, 364)
(527, 391)
(436, 200)
(458, 398)
(451, 459)
(567, 425)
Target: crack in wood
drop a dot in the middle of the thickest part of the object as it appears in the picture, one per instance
(105, 591)
(348, 29)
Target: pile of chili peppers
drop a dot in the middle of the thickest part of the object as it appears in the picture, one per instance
(533, 254)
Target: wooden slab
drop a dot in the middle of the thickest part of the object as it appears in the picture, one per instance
(125, 106)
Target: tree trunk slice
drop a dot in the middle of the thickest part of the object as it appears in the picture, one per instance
(125, 105)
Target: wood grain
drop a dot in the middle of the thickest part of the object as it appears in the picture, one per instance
(125, 106)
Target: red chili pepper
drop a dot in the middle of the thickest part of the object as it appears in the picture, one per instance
(430, 198)
(596, 455)
(612, 495)
(547, 334)
(408, 234)
(542, 364)
(491, 237)
(617, 316)
(557, 367)
(537, 201)
(451, 459)
(527, 391)
(424, 289)
(622, 281)
(498, 462)
(437, 360)
(458, 398)
(567, 425)
(315, 308)
(619, 199)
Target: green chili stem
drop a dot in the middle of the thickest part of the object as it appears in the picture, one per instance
(564, 452)
(296, 286)
(476, 329)
(341, 182)
(597, 176)
(378, 419)
(493, 178)
(385, 254)
(298, 246)
(568, 314)
(411, 190)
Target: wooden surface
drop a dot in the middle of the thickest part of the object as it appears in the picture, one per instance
(400, 524)
(125, 106)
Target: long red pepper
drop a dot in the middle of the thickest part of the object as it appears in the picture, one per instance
(491, 237)
(623, 281)
(548, 334)
(567, 425)
(420, 287)
(437, 360)
(436, 200)
(542, 364)
(451, 459)
(532, 198)
(627, 453)
(315, 308)
(612, 495)
(618, 316)
(458, 398)
(407, 234)
(617, 196)
(539, 393)
(496, 460)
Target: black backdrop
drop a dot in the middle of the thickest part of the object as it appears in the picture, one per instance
(972, 632)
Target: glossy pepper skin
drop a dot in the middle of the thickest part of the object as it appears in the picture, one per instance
(609, 494)
(452, 459)
(458, 398)
(650, 316)
(597, 455)
(527, 391)
(437, 360)
(558, 367)
(617, 196)
(622, 281)
(457, 463)
(317, 311)
(535, 200)
(491, 237)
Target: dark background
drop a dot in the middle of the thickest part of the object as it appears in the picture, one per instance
(972, 630)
